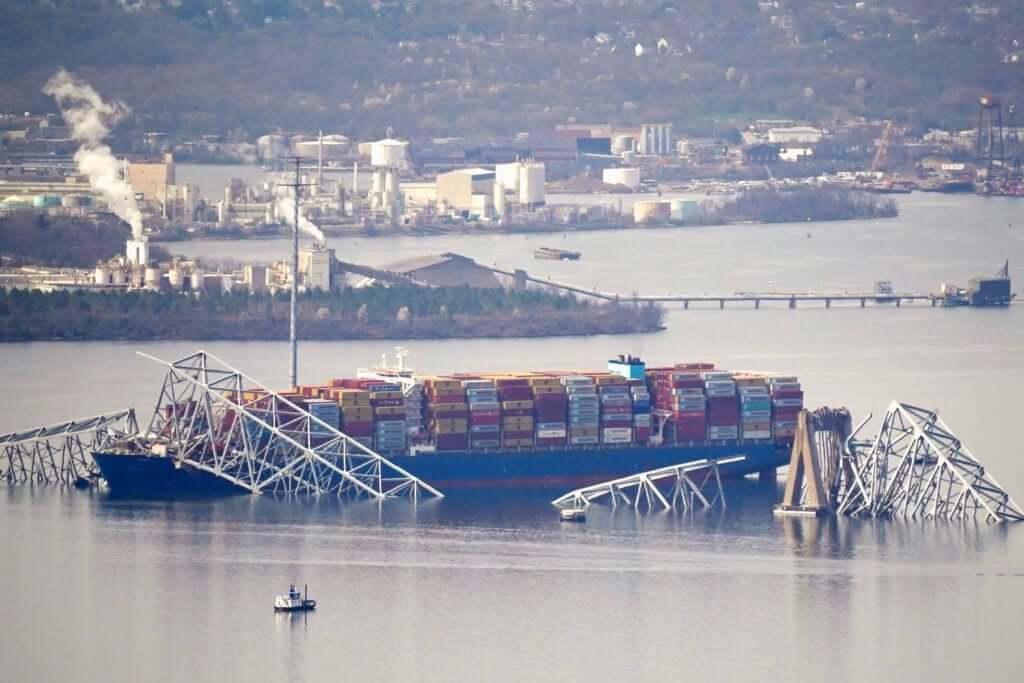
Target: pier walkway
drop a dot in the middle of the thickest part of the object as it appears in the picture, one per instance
(521, 278)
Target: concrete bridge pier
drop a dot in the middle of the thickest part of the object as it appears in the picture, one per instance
(828, 303)
(721, 303)
(792, 302)
(757, 303)
(863, 302)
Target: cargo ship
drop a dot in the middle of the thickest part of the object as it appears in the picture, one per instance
(544, 429)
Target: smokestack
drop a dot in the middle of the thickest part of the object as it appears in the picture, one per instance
(90, 120)
(319, 161)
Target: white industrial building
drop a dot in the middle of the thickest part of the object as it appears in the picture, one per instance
(316, 265)
(795, 135)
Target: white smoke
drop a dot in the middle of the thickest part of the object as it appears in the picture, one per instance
(90, 120)
(286, 211)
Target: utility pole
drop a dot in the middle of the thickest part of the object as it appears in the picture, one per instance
(293, 346)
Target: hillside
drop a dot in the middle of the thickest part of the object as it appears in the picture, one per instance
(464, 67)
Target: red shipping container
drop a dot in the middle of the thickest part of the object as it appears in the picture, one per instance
(358, 428)
(641, 434)
(450, 415)
(456, 398)
(694, 366)
(475, 419)
(484, 413)
(517, 412)
(452, 442)
(617, 410)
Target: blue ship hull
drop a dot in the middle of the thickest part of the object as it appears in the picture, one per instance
(453, 471)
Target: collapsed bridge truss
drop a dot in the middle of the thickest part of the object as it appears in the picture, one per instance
(213, 418)
(61, 453)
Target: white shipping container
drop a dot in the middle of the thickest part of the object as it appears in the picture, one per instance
(551, 433)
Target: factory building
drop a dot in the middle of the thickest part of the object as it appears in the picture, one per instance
(796, 135)
(446, 270)
(465, 189)
(656, 138)
(317, 265)
(151, 179)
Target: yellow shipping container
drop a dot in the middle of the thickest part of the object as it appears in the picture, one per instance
(456, 426)
(442, 408)
(516, 405)
(389, 410)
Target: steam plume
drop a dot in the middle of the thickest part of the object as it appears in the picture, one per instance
(90, 120)
(286, 211)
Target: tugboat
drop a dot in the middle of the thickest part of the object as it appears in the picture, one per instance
(573, 515)
(294, 601)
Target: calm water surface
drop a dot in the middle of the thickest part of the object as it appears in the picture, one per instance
(482, 589)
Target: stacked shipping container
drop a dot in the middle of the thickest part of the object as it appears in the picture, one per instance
(584, 410)
(484, 413)
(448, 413)
(787, 402)
(755, 408)
(616, 409)
(550, 409)
(723, 409)
(517, 423)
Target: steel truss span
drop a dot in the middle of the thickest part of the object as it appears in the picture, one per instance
(213, 418)
(917, 468)
(694, 484)
(62, 453)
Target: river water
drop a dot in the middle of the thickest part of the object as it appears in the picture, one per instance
(481, 589)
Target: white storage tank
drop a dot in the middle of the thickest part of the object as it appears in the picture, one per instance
(508, 175)
(117, 277)
(152, 278)
(685, 209)
(101, 276)
(531, 183)
(651, 212)
(499, 199)
(195, 280)
(388, 153)
(623, 143)
(272, 146)
(630, 177)
(176, 278)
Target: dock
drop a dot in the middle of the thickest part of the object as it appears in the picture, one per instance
(521, 279)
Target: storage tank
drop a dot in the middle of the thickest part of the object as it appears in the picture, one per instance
(388, 152)
(685, 209)
(508, 175)
(623, 143)
(531, 183)
(117, 277)
(651, 212)
(630, 177)
(272, 146)
(195, 280)
(101, 276)
(499, 199)
(152, 278)
(176, 279)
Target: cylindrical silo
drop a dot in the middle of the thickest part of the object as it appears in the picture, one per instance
(195, 280)
(531, 183)
(117, 277)
(499, 200)
(176, 278)
(101, 276)
(152, 278)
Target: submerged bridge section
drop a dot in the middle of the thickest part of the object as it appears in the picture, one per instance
(61, 453)
(915, 468)
(215, 419)
(685, 487)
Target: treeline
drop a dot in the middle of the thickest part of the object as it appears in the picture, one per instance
(396, 312)
(802, 204)
(40, 239)
(469, 67)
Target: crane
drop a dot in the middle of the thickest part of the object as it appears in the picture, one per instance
(882, 155)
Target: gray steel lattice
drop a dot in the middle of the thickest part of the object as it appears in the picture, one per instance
(61, 453)
(212, 417)
(917, 467)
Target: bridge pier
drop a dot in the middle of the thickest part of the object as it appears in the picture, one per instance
(686, 304)
(862, 302)
(828, 303)
(792, 302)
(897, 302)
(721, 303)
(757, 303)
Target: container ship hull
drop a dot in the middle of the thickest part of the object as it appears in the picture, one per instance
(460, 470)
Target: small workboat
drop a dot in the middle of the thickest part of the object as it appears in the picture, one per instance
(295, 601)
(573, 515)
